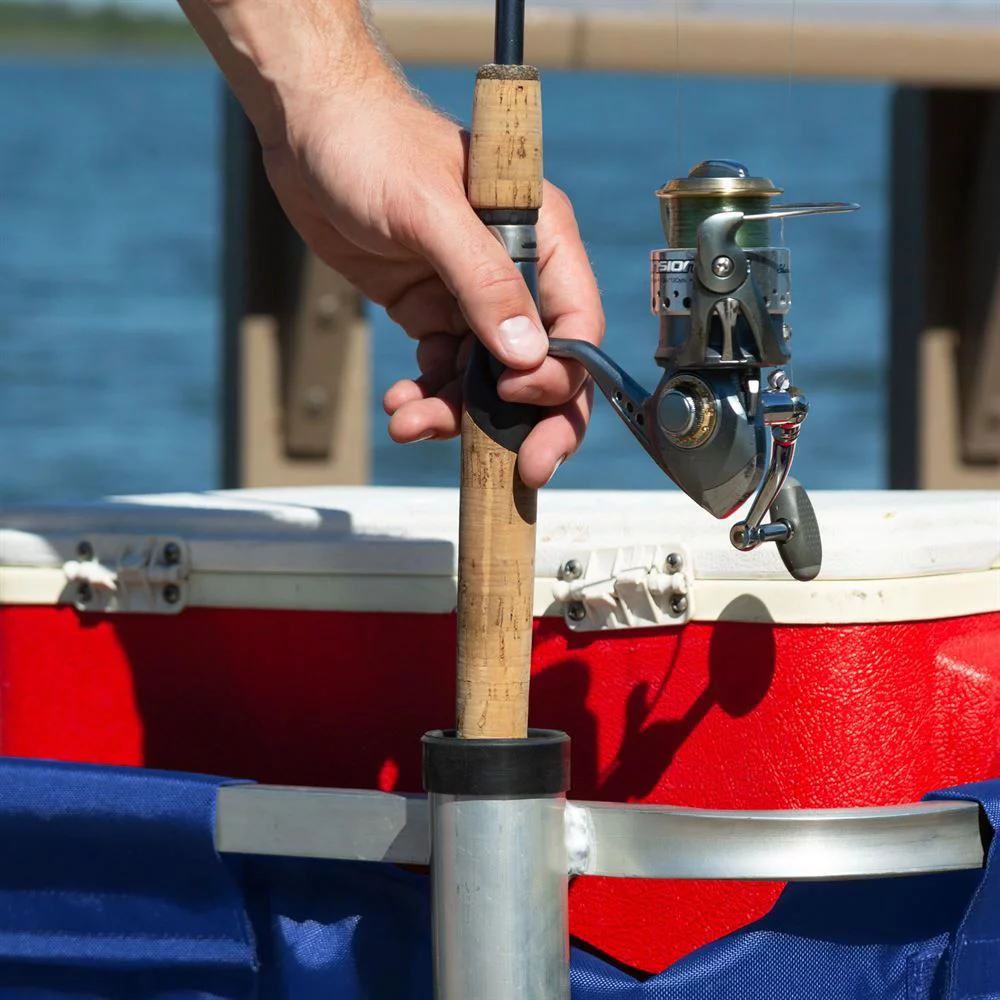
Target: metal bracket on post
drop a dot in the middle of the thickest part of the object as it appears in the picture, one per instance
(295, 360)
(314, 348)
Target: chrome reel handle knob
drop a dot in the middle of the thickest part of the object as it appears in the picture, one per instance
(802, 550)
(793, 528)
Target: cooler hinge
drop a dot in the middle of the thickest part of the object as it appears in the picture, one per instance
(644, 586)
(117, 574)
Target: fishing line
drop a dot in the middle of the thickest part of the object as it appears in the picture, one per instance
(789, 134)
(681, 169)
(791, 64)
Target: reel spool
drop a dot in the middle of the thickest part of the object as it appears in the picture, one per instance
(721, 292)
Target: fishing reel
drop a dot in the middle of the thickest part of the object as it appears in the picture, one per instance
(721, 293)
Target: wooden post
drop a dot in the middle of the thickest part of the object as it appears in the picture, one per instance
(496, 564)
(944, 362)
(295, 365)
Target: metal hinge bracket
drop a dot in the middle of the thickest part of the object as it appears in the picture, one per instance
(117, 574)
(643, 586)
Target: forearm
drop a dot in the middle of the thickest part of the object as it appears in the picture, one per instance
(282, 56)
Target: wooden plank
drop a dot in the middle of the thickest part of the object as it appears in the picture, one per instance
(953, 44)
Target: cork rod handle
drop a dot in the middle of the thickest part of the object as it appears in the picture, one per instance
(505, 149)
(496, 565)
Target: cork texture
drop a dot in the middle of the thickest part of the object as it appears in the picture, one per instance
(505, 150)
(496, 583)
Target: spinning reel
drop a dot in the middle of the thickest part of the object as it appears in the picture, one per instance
(721, 292)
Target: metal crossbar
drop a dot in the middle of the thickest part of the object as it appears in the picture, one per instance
(627, 841)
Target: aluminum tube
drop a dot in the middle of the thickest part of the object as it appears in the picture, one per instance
(648, 841)
(499, 897)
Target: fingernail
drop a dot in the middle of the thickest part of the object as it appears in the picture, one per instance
(523, 341)
(555, 470)
(429, 436)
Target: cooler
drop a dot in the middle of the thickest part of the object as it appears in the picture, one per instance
(306, 636)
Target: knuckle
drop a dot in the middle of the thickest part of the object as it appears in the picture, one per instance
(496, 279)
(558, 197)
(396, 312)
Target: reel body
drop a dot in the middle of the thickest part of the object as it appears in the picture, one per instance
(722, 293)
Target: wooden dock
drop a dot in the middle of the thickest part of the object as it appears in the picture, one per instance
(296, 351)
(930, 43)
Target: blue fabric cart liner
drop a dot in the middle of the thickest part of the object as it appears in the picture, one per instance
(110, 886)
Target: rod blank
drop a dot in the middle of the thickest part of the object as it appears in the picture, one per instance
(508, 42)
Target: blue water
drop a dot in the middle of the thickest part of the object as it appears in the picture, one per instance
(109, 246)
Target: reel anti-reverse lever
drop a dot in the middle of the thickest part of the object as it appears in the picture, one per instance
(722, 292)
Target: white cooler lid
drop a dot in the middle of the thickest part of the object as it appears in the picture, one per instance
(888, 556)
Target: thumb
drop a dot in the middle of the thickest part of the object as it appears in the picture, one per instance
(490, 290)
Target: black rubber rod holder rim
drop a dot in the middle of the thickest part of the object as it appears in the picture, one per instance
(536, 766)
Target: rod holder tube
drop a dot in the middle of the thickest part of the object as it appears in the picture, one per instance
(499, 879)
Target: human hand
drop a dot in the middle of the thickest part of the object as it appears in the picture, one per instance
(391, 215)
(374, 182)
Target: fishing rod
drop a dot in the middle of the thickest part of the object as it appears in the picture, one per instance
(496, 789)
(496, 567)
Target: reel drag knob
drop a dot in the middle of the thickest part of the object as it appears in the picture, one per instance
(677, 413)
(687, 411)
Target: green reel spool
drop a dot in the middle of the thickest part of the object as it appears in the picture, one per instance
(715, 186)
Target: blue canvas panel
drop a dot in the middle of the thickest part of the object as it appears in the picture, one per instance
(110, 886)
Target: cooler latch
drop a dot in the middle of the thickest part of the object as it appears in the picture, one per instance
(128, 575)
(643, 586)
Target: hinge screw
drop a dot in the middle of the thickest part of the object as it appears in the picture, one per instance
(778, 380)
(722, 266)
(678, 605)
(85, 550)
(171, 593)
(572, 570)
(171, 553)
(675, 562)
(577, 612)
